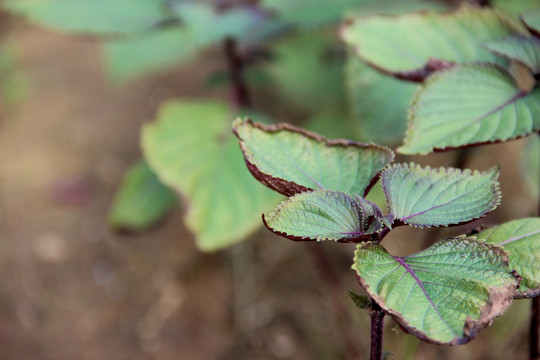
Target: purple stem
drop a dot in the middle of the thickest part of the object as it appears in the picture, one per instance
(240, 93)
(377, 333)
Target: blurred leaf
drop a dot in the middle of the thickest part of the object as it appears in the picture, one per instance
(470, 104)
(521, 239)
(325, 215)
(515, 7)
(439, 197)
(98, 17)
(290, 160)
(413, 45)
(523, 49)
(361, 301)
(141, 201)
(191, 148)
(531, 165)
(153, 50)
(307, 74)
(14, 85)
(379, 103)
(331, 124)
(531, 19)
(445, 294)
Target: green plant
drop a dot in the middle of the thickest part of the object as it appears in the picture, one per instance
(445, 294)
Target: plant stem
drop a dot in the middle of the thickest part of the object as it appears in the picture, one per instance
(240, 93)
(330, 278)
(377, 327)
(534, 353)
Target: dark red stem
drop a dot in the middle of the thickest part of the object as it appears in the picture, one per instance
(240, 93)
(336, 290)
(377, 327)
(534, 353)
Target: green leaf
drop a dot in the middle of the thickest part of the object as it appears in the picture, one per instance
(444, 294)
(467, 105)
(307, 71)
(379, 103)
(531, 19)
(413, 45)
(141, 201)
(291, 160)
(325, 215)
(191, 149)
(531, 165)
(523, 49)
(521, 239)
(514, 7)
(434, 197)
(99, 17)
(361, 301)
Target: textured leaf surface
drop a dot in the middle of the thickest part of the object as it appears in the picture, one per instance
(191, 149)
(444, 294)
(469, 104)
(141, 201)
(434, 197)
(521, 239)
(523, 49)
(531, 19)
(290, 160)
(531, 165)
(91, 16)
(406, 43)
(379, 103)
(325, 215)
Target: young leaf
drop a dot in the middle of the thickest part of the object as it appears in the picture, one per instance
(434, 197)
(191, 149)
(291, 160)
(97, 17)
(325, 215)
(411, 46)
(531, 19)
(470, 104)
(141, 201)
(361, 301)
(521, 239)
(379, 103)
(521, 48)
(445, 294)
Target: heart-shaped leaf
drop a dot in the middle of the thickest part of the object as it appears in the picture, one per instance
(141, 201)
(470, 104)
(411, 46)
(191, 149)
(439, 197)
(291, 160)
(99, 17)
(521, 239)
(444, 294)
(521, 48)
(379, 103)
(531, 19)
(325, 215)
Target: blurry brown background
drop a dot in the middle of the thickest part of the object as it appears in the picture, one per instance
(71, 289)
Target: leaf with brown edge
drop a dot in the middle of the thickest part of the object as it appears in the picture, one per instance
(445, 294)
(531, 19)
(326, 215)
(426, 197)
(414, 45)
(290, 160)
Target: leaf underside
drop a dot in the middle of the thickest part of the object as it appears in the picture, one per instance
(521, 239)
(325, 215)
(141, 201)
(531, 19)
(291, 160)
(427, 197)
(520, 48)
(191, 149)
(467, 105)
(444, 294)
(404, 45)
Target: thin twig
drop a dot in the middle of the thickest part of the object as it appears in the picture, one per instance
(377, 333)
(336, 290)
(240, 93)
